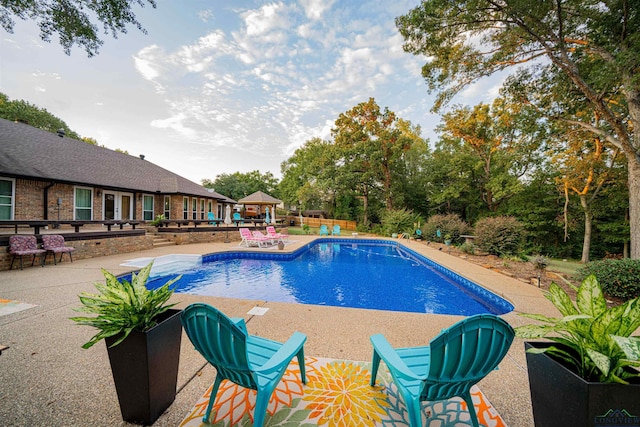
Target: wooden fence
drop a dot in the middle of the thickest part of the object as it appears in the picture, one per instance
(317, 222)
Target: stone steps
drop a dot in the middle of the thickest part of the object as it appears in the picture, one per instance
(159, 240)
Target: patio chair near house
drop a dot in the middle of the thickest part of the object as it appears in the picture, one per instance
(211, 218)
(238, 219)
(21, 245)
(248, 239)
(449, 366)
(247, 360)
(54, 244)
(336, 230)
(324, 230)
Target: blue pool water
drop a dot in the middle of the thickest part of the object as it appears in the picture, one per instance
(343, 273)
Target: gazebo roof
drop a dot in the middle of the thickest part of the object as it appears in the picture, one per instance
(259, 198)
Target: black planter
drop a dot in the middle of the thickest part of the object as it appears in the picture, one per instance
(145, 369)
(561, 398)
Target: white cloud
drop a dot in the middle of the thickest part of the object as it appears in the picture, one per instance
(174, 123)
(206, 15)
(145, 62)
(261, 21)
(314, 9)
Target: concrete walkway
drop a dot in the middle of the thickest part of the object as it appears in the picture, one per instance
(47, 379)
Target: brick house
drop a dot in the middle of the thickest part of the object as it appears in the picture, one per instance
(47, 176)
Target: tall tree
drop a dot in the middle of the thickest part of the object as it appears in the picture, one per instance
(593, 44)
(370, 143)
(308, 176)
(584, 169)
(239, 185)
(499, 153)
(24, 112)
(72, 19)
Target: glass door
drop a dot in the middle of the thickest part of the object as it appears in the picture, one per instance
(117, 206)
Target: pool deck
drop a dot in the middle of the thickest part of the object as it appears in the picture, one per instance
(46, 378)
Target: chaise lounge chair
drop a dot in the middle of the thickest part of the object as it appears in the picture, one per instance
(248, 239)
(21, 245)
(54, 244)
(247, 360)
(271, 240)
(449, 366)
(271, 232)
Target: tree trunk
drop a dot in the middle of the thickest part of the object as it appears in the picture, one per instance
(588, 217)
(634, 205)
(365, 205)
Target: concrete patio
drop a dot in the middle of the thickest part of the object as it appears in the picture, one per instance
(49, 380)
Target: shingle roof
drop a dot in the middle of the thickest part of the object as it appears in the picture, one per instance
(259, 198)
(28, 152)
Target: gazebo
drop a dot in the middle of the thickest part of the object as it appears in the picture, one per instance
(259, 200)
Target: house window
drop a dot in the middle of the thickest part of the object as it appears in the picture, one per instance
(83, 204)
(6, 198)
(185, 208)
(194, 208)
(147, 208)
(201, 208)
(167, 207)
(210, 206)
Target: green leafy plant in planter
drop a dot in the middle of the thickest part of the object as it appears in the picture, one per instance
(595, 339)
(122, 306)
(589, 358)
(158, 220)
(143, 333)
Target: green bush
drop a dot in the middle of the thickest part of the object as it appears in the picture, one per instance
(619, 278)
(399, 221)
(468, 248)
(447, 224)
(502, 236)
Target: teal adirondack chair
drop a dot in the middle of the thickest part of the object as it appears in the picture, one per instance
(449, 366)
(336, 230)
(247, 360)
(238, 219)
(211, 218)
(324, 231)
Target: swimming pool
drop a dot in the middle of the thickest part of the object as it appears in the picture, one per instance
(357, 273)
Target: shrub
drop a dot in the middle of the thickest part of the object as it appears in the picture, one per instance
(447, 224)
(501, 235)
(468, 248)
(399, 221)
(618, 277)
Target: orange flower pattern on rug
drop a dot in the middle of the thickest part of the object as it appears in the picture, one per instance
(341, 396)
(337, 394)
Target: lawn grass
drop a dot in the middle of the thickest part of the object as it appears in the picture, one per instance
(562, 266)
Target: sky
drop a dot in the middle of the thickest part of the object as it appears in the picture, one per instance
(217, 86)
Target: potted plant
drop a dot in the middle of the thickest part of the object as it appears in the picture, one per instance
(157, 222)
(142, 333)
(586, 375)
(447, 239)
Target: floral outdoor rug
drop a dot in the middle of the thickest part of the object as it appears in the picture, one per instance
(8, 306)
(337, 394)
